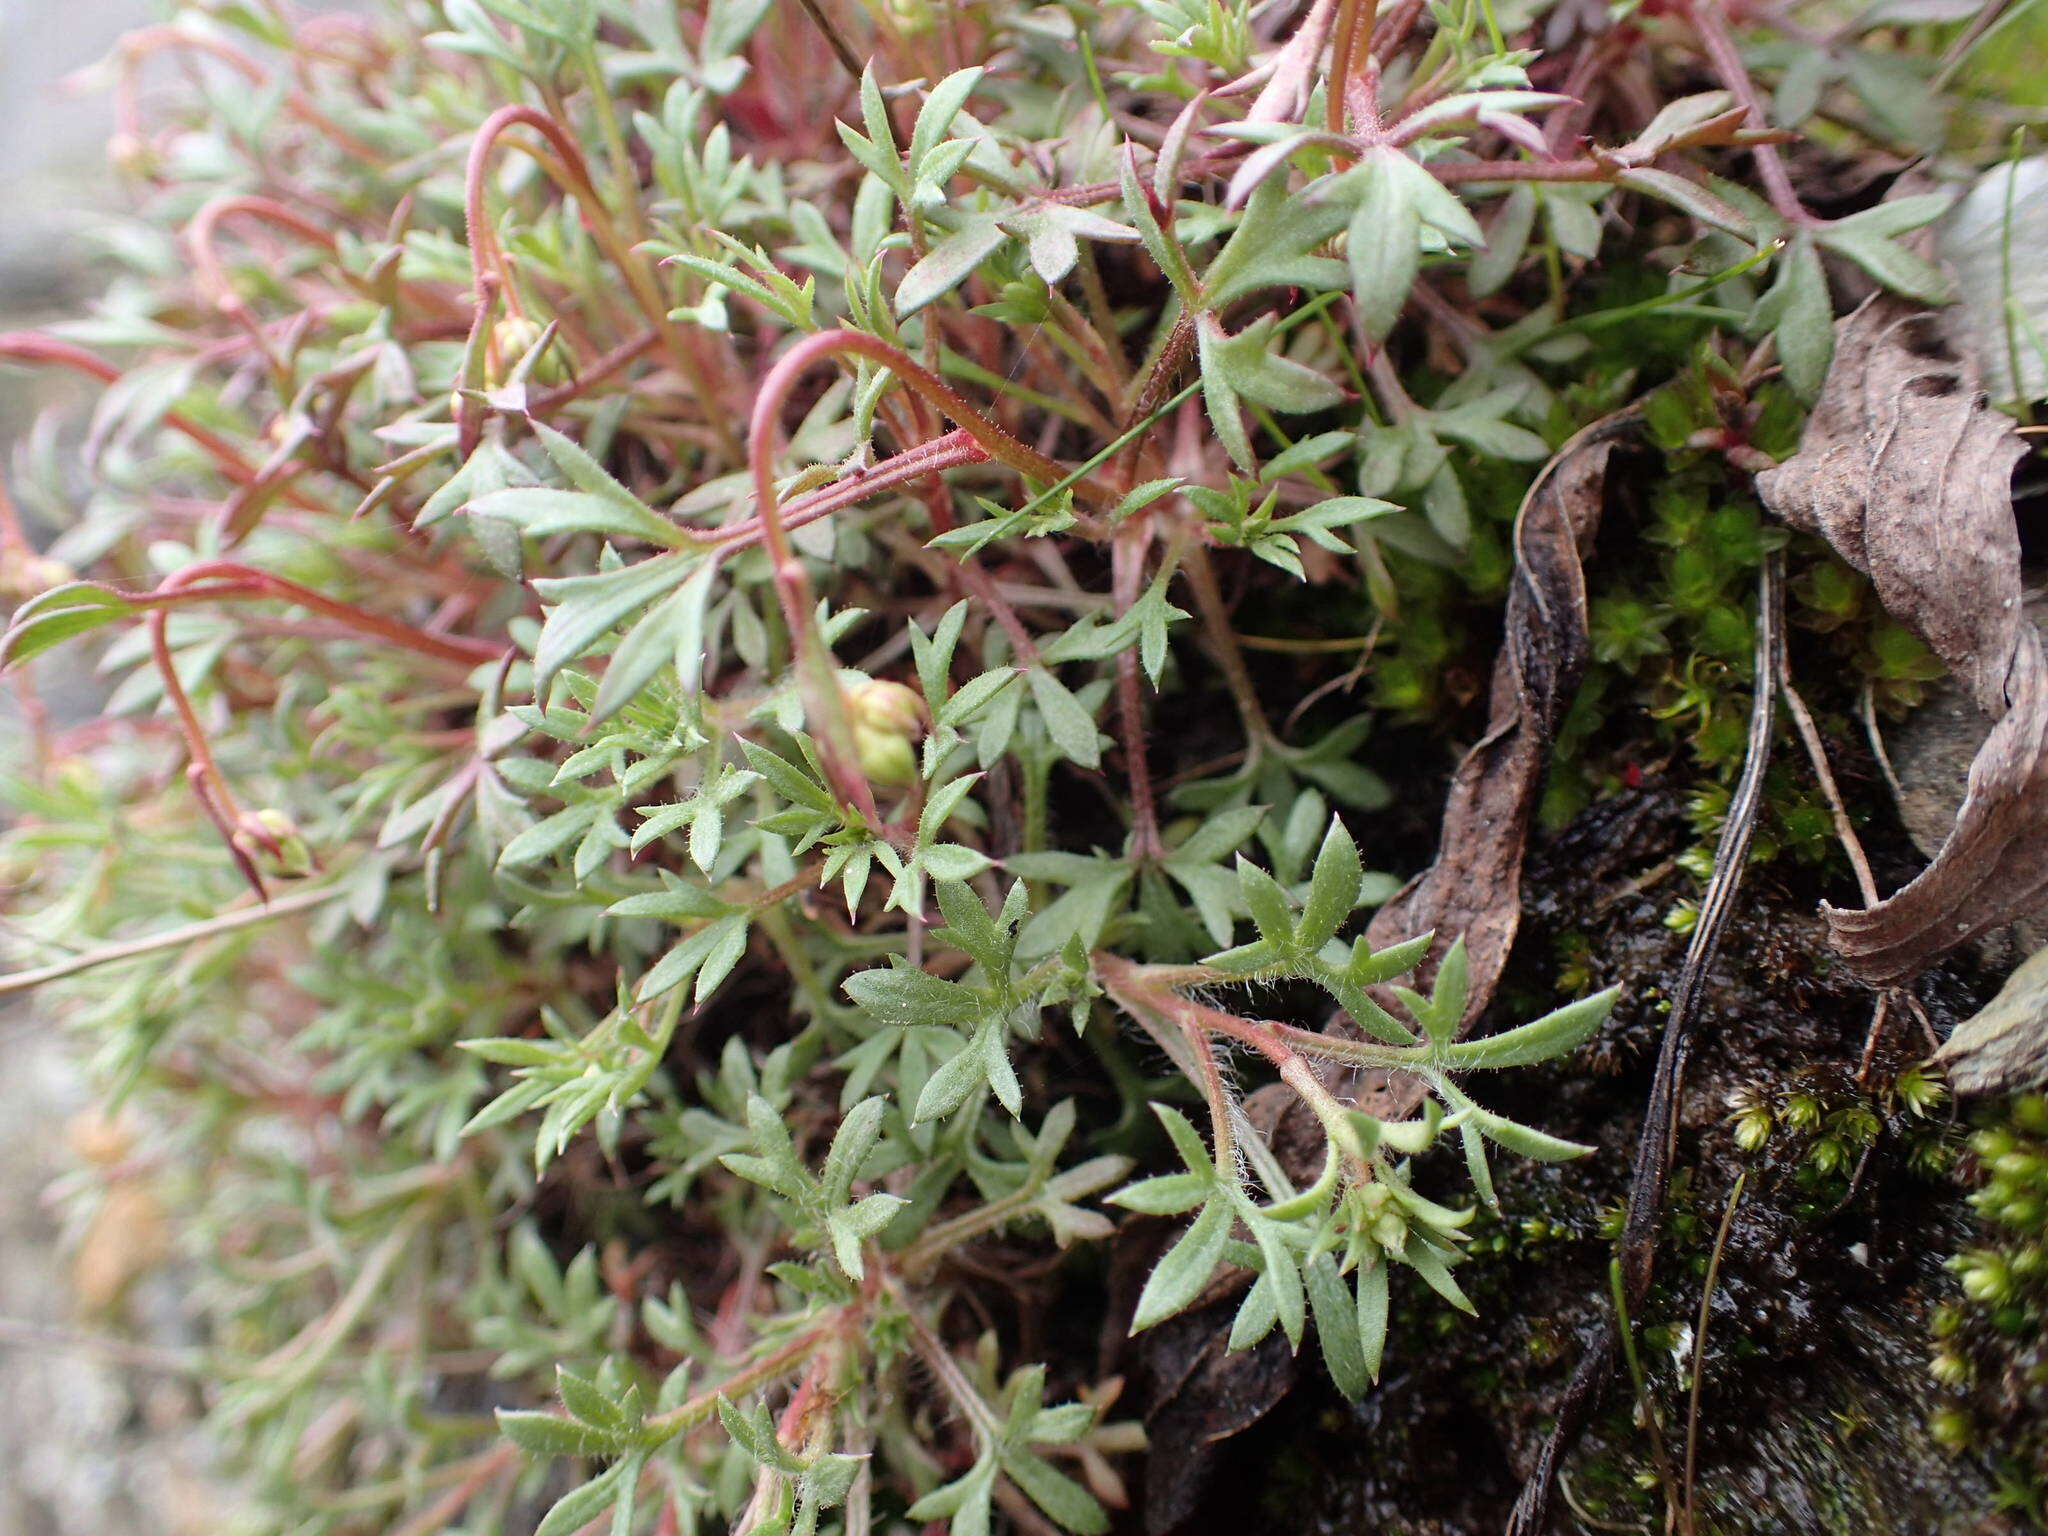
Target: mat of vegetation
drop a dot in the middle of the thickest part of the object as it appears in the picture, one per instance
(910, 766)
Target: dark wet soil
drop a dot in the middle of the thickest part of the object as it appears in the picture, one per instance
(1815, 1397)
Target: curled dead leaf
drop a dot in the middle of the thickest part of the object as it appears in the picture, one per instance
(1906, 471)
(1474, 888)
(2003, 1047)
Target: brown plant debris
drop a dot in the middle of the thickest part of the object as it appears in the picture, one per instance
(1905, 470)
(1474, 887)
(2004, 1045)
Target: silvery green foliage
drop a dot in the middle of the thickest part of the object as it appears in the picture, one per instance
(708, 918)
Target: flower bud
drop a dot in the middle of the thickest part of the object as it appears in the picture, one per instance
(888, 719)
(273, 840)
(515, 336)
(130, 155)
(25, 573)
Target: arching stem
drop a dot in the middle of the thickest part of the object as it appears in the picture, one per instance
(825, 706)
(567, 168)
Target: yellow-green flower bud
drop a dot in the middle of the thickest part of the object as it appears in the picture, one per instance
(274, 841)
(515, 336)
(913, 17)
(25, 573)
(888, 718)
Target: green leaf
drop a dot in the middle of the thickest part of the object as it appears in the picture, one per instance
(904, 995)
(965, 1501)
(970, 928)
(953, 861)
(1524, 1140)
(1220, 401)
(538, 512)
(934, 654)
(1805, 324)
(947, 264)
(1556, 1032)
(1186, 1140)
(582, 1397)
(677, 902)
(1184, 1269)
(1070, 1505)
(587, 608)
(1267, 904)
(941, 106)
(1161, 246)
(708, 954)
(947, 1088)
(1168, 1195)
(550, 836)
(52, 617)
(1253, 368)
(1337, 1328)
(1071, 727)
(1447, 998)
(548, 1434)
(1476, 1166)
(1692, 198)
(1274, 247)
(1369, 967)
(786, 779)
(586, 474)
(1505, 243)
(1890, 263)
(1333, 889)
(579, 1507)
(975, 695)
(670, 634)
(851, 1144)
(875, 118)
(1383, 243)
(992, 1045)
(1281, 1273)
(1372, 1316)
(1429, 1264)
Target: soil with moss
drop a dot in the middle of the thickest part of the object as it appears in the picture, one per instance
(1816, 1401)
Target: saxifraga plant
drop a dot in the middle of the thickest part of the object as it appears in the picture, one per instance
(644, 549)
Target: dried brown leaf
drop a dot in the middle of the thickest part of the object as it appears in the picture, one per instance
(1907, 473)
(1203, 1393)
(1475, 886)
(1905, 470)
(2004, 1046)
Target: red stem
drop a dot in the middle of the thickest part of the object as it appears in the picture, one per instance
(1457, 173)
(34, 347)
(572, 173)
(209, 784)
(825, 703)
(206, 257)
(228, 579)
(953, 451)
(1712, 28)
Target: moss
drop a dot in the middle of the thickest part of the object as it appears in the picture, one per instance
(1988, 1344)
